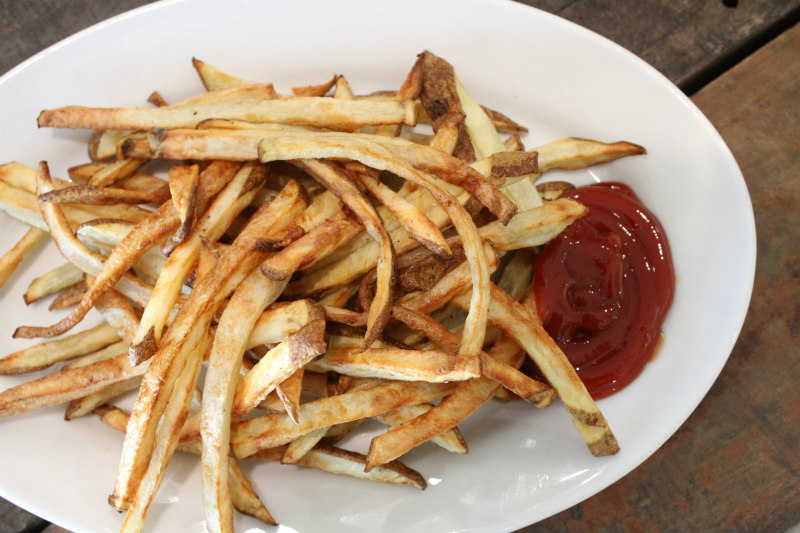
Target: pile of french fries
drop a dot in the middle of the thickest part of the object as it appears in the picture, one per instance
(325, 260)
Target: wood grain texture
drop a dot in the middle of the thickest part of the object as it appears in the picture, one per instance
(31, 26)
(685, 40)
(15, 520)
(735, 465)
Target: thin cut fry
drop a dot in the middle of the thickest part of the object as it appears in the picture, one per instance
(269, 431)
(46, 353)
(11, 259)
(52, 281)
(331, 113)
(514, 319)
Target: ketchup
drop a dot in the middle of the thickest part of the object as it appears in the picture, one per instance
(604, 286)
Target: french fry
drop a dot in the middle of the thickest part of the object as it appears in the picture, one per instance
(75, 252)
(114, 172)
(124, 256)
(52, 281)
(394, 363)
(515, 321)
(11, 259)
(412, 218)
(277, 365)
(450, 440)
(448, 413)
(69, 297)
(500, 371)
(574, 153)
(289, 392)
(87, 404)
(40, 356)
(303, 444)
(66, 385)
(273, 430)
(214, 79)
(330, 113)
(339, 461)
(94, 195)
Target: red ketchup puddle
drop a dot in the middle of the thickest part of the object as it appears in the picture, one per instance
(604, 286)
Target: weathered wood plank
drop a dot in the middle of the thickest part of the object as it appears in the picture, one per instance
(31, 26)
(683, 39)
(15, 520)
(734, 465)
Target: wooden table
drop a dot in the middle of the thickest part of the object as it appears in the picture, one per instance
(735, 464)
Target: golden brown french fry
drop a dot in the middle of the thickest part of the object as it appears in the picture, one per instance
(311, 247)
(65, 385)
(75, 252)
(499, 371)
(214, 79)
(44, 354)
(224, 400)
(330, 113)
(114, 172)
(94, 195)
(109, 351)
(516, 321)
(273, 430)
(300, 446)
(118, 313)
(450, 440)
(87, 404)
(289, 392)
(11, 259)
(573, 153)
(395, 363)
(244, 497)
(69, 297)
(315, 90)
(412, 218)
(183, 187)
(339, 461)
(103, 145)
(280, 319)
(52, 281)
(277, 365)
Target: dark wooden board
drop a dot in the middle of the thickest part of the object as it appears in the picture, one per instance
(690, 42)
(735, 465)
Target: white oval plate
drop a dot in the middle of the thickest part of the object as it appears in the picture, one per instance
(557, 78)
